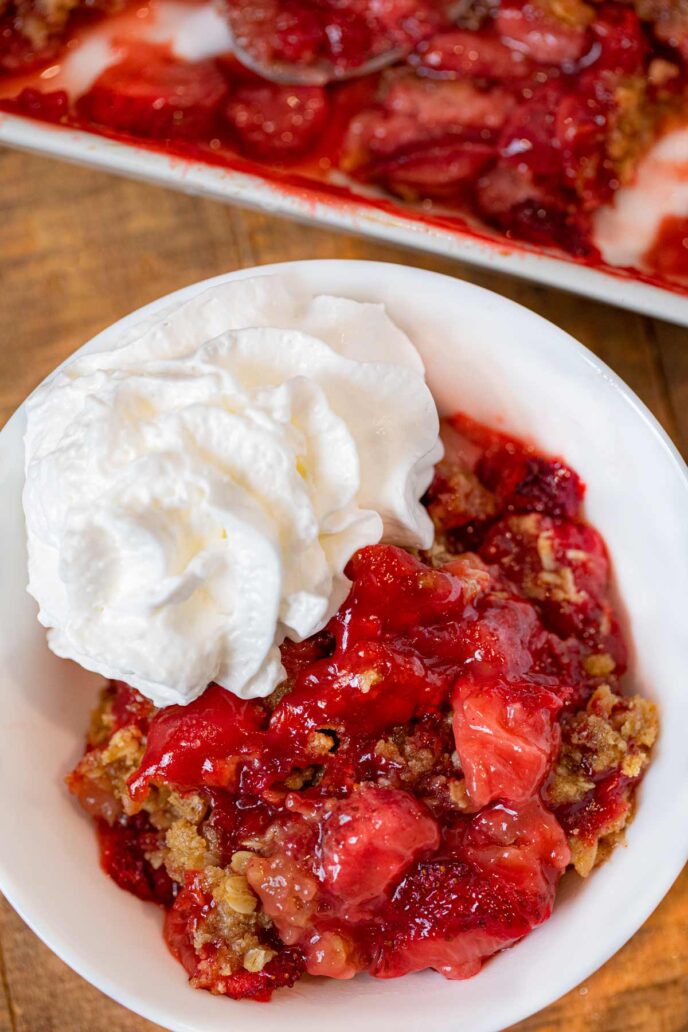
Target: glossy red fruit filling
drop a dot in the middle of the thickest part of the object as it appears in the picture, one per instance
(200, 744)
(606, 804)
(474, 55)
(620, 43)
(560, 79)
(506, 737)
(151, 93)
(124, 846)
(339, 36)
(388, 807)
(526, 115)
(367, 840)
(427, 138)
(330, 868)
(492, 881)
(485, 474)
(529, 27)
(270, 121)
(525, 482)
(564, 568)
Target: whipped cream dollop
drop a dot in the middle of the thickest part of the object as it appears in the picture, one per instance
(193, 495)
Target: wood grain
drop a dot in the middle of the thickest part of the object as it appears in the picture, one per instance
(79, 249)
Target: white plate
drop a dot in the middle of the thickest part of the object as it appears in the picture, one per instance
(504, 365)
(312, 205)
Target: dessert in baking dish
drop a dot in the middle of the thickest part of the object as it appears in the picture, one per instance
(524, 116)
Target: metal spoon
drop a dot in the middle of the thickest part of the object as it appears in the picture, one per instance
(288, 73)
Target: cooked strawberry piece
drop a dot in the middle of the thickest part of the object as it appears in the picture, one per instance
(506, 640)
(437, 171)
(461, 952)
(529, 136)
(560, 136)
(506, 737)
(525, 482)
(553, 131)
(440, 106)
(330, 954)
(275, 30)
(618, 33)
(285, 885)
(289, 885)
(50, 107)
(200, 744)
(548, 222)
(333, 869)
(493, 880)
(421, 595)
(124, 846)
(474, 55)
(533, 27)
(367, 840)
(424, 135)
(276, 122)
(181, 922)
(151, 93)
(523, 844)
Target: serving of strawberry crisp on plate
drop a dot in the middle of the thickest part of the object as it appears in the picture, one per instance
(365, 697)
(560, 124)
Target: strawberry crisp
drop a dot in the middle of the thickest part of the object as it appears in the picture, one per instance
(513, 117)
(410, 796)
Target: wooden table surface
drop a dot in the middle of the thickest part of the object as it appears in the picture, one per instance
(79, 249)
